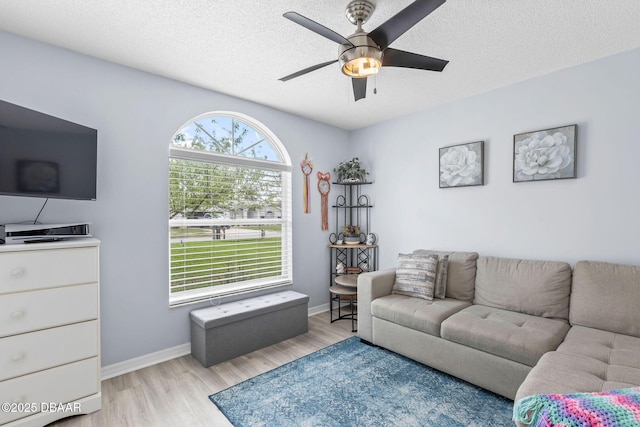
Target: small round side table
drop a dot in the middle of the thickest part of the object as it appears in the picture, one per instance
(345, 288)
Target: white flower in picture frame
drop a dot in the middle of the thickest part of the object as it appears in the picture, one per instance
(461, 165)
(543, 155)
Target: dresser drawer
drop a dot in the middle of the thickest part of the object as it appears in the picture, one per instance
(26, 353)
(63, 384)
(28, 270)
(31, 311)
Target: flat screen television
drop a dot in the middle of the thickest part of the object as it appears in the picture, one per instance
(44, 156)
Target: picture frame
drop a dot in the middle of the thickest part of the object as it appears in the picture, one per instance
(546, 154)
(461, 165)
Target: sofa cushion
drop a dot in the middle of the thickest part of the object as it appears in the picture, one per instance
(421, 315)
(589, 360)
(606, 296)
(539, 288)
(461, 274)
(416, 275)
(515, 336)
(607, 347)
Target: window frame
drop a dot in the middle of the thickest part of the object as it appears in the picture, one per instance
(283, 167)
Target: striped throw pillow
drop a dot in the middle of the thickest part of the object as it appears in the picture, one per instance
(440, 290)
(416, 276)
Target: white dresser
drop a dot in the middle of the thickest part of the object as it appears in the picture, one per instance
(49, 331)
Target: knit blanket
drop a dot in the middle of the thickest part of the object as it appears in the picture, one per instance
(615, 408)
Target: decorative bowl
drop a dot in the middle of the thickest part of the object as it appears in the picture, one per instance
(352, 240)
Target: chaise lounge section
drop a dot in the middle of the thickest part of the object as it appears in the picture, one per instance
(601, 352)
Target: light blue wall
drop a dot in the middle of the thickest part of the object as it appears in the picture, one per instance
(592, 217)
(136, 114)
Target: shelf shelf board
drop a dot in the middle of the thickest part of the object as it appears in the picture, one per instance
(353, 183)
(352, 206)
(360, 246)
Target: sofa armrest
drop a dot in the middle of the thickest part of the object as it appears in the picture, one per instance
(372, 285)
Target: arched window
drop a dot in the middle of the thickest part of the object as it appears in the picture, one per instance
(229, 208)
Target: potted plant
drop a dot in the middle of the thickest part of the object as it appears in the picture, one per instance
(351, 171)
(351, 234)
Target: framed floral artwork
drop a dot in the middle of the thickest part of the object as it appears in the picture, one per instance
(462, 165)
(545, 154)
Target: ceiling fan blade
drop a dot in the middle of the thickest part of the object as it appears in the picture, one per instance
(398, 24)
(359, 88)
(306, 70)
(316, 28)
(400, 58)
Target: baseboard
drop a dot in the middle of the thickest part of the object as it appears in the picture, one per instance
(150, 359)
(318, 309)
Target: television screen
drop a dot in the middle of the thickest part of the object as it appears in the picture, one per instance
(44, 156)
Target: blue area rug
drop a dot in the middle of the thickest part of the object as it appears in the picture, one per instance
(353, 384)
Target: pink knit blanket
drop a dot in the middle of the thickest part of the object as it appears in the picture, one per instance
(615, 408)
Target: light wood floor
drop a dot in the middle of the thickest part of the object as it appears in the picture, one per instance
(175, 393)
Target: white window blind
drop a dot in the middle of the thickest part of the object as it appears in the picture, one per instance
(229, 222)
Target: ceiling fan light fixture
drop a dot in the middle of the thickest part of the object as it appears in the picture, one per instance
(361, 67)
(361, 61)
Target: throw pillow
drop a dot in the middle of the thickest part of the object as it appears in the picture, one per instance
(416, 276)
(440, 289)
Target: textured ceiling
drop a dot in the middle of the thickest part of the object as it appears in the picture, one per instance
(242, 48)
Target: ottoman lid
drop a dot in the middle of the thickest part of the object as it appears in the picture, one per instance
(210, 317)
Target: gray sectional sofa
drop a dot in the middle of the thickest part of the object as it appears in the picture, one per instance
(515, 327)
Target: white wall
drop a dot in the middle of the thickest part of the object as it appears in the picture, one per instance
(136, 114)
(595, 216)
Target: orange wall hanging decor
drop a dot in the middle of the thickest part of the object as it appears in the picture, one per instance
(324, 186)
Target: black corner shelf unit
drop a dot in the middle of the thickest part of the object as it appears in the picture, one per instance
(352, 207)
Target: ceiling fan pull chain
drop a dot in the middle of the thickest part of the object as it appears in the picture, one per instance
(375, 84)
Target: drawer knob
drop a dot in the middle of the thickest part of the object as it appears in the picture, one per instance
(18, 314)
(18, 357)
(17, 272)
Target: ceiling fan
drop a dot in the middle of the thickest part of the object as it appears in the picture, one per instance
(362, 54)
